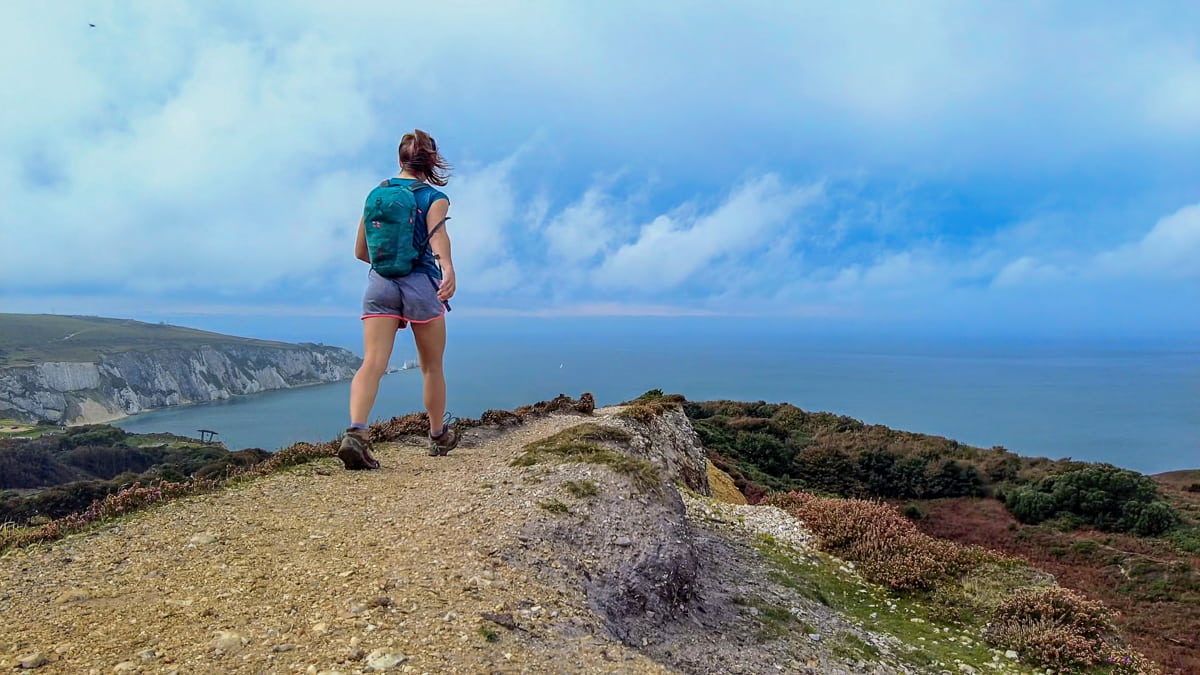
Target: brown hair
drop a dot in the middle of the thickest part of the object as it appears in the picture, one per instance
(419, 155)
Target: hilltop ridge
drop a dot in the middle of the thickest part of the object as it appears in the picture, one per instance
(551, 541)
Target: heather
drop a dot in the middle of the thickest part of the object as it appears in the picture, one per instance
(887, 548)
(1059, 628)
(1047, 625)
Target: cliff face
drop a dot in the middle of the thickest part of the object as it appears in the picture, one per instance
(135, 381)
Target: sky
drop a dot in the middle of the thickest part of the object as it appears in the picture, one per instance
(946, 167)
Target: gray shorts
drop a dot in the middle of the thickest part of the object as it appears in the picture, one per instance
(411, 298)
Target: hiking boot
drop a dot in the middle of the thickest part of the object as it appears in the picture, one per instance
(441, 444)
(355, 451)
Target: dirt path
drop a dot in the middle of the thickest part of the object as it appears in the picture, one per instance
(316, 570)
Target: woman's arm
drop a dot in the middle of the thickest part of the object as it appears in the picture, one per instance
(440, 243)
(360, 244)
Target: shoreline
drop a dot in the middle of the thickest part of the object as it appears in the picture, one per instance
(118, 418)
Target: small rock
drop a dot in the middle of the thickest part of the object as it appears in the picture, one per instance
(319, 627)
(815, 637)
(358, 608)
(72, 595)
(450, 616)
(202, 539)
(125, 667)
(34, 660)
(622, 541)
(381, 659)
(228, 641)
(147, 655)
(381, 601)
(964, 668)
(1010, 654)
(505, 620)
(284, 648)
(355, 654)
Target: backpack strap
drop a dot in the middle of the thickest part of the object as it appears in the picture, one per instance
(437, 227)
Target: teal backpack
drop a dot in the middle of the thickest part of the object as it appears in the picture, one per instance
(390, 218)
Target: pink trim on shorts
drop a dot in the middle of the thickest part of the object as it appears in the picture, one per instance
(402, 318)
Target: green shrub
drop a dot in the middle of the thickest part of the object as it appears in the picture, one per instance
(1102, 496)
(1151, 519)
(1030, 506)
(1186, 539)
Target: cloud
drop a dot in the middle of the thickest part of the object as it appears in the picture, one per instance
(484, 215)
(1026, 270)
(1170, 250)
(676, 247)
(871, 155)
(226, 184)
(582, 230)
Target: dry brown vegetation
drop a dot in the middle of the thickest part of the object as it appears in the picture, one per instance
(1152, 586)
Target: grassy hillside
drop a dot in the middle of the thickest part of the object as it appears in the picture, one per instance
(34, 338)
(1130, 540)
(62, 472)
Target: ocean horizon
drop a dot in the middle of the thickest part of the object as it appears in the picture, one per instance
(1130, 403)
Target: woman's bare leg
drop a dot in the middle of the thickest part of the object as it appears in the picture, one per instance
(379, 335)
(431, 346)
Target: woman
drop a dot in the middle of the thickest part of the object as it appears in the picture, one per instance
(416, 296)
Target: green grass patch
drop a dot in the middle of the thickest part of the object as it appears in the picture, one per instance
(775, 622)
(850, 647)
(488, 634)
(585, 443)
(926, 640)
(581, 489)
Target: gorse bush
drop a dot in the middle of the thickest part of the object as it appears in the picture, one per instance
(885, 545)
(1103, 496)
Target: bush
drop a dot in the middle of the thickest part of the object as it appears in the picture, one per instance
(1186, 539)
(913, 512)
(1030, 506)
(92, 434)
(1057, 627)
(1151, 519)
(888, 548)
(1102, 496)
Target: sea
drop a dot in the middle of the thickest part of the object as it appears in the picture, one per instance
(1132, 403)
